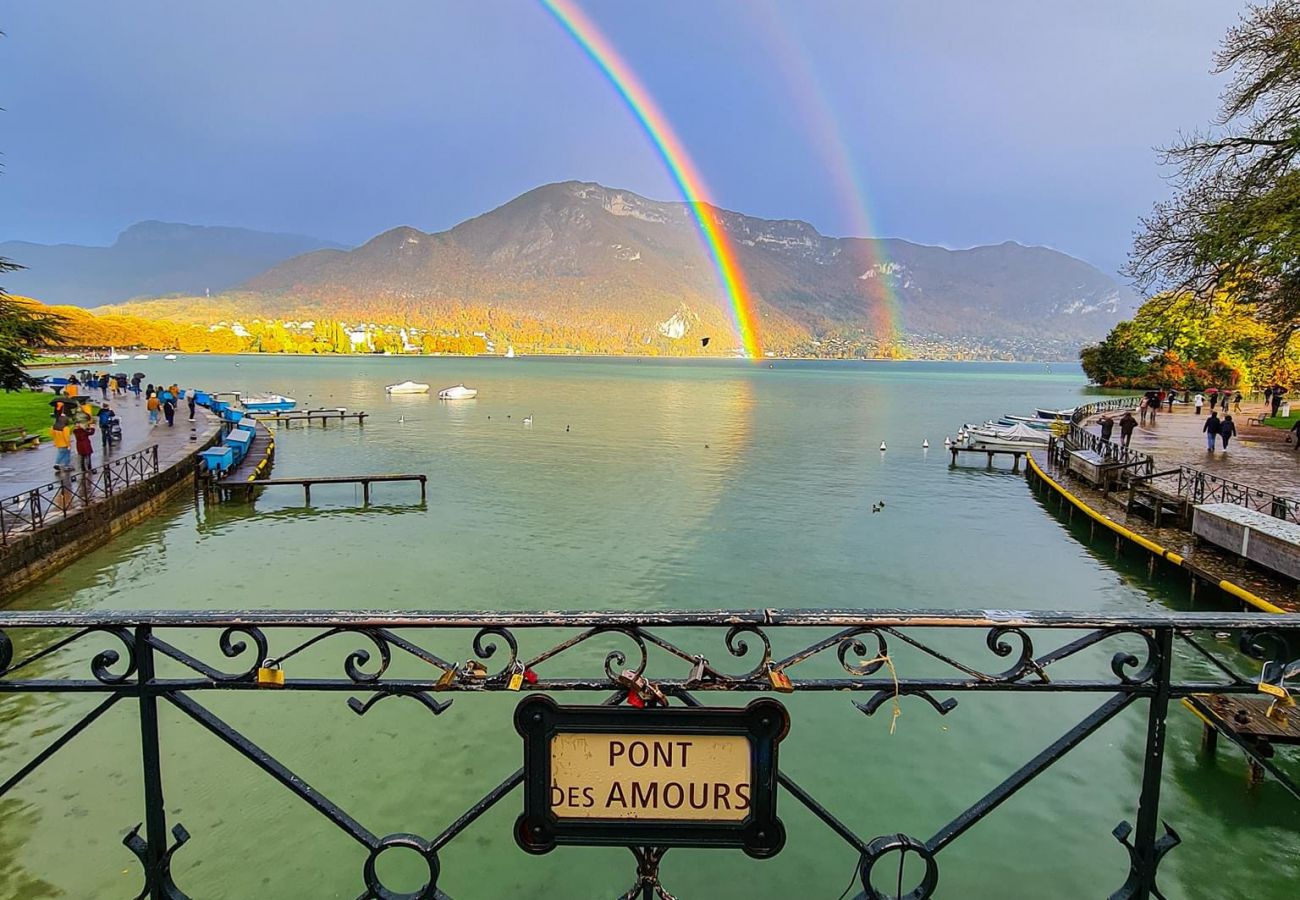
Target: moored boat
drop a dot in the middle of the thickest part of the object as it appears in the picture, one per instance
(268, 403)
(1018, 437)
(408, 387)
(459, 392)
(1050, 414)
(170, 356)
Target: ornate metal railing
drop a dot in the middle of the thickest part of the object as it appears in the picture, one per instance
(1080, 438)
(875, 659)
(1203, 487)
(73, 491)
(1085, 411)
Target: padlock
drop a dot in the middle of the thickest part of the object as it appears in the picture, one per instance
(448, 678)
(475, 669)
(698, 671)
(269, 674)
(516, 680)
(780, 681)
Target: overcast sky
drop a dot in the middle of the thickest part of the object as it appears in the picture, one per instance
(964, 123)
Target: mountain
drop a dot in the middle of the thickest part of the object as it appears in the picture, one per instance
(149, 259)
(589, 258)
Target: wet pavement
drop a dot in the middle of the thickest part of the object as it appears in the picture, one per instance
(22, 470)
(1258, 455)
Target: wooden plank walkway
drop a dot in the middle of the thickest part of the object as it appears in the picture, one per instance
(1206, 563)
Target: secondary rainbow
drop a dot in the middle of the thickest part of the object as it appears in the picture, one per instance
(670, 148)
(813, 105)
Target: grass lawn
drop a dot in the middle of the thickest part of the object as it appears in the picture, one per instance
(1280, 422)
(28, 409)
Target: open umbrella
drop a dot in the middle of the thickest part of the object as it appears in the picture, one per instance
(138, 375)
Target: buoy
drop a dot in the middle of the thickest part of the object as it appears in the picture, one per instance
(882, 446)
(925, 444)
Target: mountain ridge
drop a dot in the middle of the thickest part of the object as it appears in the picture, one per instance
(149, 258)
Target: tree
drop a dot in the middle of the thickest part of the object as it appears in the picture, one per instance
(1121, 355)
(1232, 223)
(22, 330)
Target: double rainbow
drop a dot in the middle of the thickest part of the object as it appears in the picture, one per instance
(684, 172)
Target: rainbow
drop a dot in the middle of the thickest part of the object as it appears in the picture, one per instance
(820, 120)
(670, 148)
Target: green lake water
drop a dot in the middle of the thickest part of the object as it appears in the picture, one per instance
(639, 485)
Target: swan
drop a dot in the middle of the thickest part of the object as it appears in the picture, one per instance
(528, 419)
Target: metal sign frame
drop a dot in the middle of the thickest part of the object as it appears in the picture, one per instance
(760, 834)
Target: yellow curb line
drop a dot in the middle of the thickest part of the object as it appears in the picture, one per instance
(1226, 586)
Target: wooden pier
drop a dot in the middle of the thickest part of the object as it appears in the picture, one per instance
(1015, 454)
(307, 416)
(1255, 724)
(229, 487)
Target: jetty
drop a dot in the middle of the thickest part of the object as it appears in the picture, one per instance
(229, 487)
(1014, 454)
(1190, 517)
(308, 416)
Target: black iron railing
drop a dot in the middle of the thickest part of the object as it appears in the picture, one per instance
(1080, 438)
(1202, 487)
(875, 659)
(73, 491)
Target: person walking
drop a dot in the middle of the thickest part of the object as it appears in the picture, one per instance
(85, 449)
(1107, 426)
(103, 386)
(190, 402)
(1295, 430)
(61, 434)
(1236, 402)
(1142, 410)
(153, 405)
(1199, 401)
(1224, 399)
(1211, 429)
(1153, 407)
(106, 416)
(169, 409)
(1278, 391)
(1227, 429)
(1126, 425)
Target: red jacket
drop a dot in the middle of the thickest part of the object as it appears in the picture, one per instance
(82, 436)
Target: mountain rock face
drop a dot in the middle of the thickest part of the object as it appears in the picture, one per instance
(598, 258)
(149, 259)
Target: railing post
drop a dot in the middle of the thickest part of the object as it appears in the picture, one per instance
(155, 458)
(1144, 838)
(155, 815)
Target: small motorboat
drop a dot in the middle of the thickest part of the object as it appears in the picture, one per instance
(1018, 437)
(408, 387)
(141, 356)
(1059, 414)
(459, 392)
(268, 403)
(170, 356)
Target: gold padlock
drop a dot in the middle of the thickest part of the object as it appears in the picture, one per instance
(780, 681)
(475, 669)
(448, 678)
(516, 677)
(698, 670)
(269, 674)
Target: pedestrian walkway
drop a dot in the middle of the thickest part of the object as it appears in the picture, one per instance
(1258, 455)
(23, 470)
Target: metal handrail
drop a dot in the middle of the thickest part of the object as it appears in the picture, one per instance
(203, 664)
(31, 510)
(1203, 487)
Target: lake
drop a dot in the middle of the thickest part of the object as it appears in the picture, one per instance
(639, 485)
